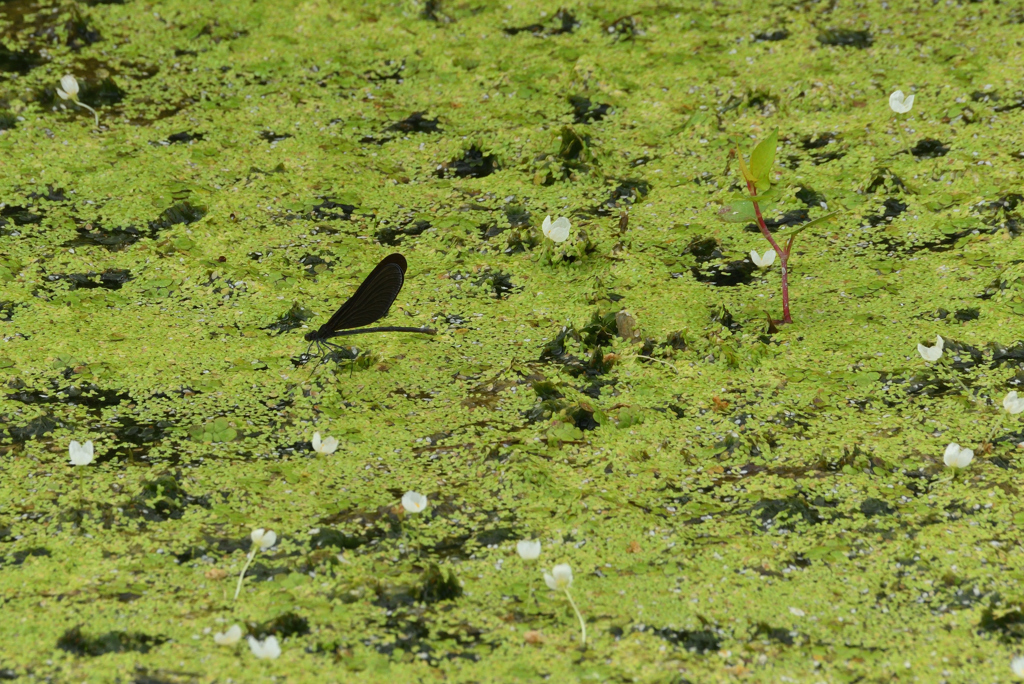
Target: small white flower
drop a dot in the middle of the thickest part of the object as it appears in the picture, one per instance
(900, 104)
(81, 454)
(229, 637)
(1014, 405)
(931, 353)
(763, 262)
(528, 550)
(955, 457)
(267, 648)
(797, 612)
(326, 446)
(413, 502)
(1017, 665)
(263, 538)
(557, 230)
(560, 577)
(68, 89)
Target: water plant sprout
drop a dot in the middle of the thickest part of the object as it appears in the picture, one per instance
(69, 91)
(757, 175)
(560, 579)
(261, 540)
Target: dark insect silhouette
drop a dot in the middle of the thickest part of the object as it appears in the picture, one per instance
(370, 303)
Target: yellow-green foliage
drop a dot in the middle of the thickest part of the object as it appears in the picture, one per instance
(736, 501)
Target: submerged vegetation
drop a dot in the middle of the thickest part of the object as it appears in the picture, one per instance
(613, 462)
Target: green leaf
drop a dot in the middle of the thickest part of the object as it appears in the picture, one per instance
(738, 212)
(762, 159)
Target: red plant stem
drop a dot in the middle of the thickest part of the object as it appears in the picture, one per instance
(783, 254)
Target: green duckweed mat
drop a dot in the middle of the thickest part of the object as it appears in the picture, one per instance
(738, 501)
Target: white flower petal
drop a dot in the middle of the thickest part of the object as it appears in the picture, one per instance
(268, 540)
(763, 262)
(955, 457)
(1017, 665)
(70, 87)
(1013, 404)
(557, 230)
(528, 550)
(899, 103)
(268, 648)
(80, 454)
(329, 446)
(316, 441)
(413, 502)
(560, 577)
(931, 353)
(229, 637)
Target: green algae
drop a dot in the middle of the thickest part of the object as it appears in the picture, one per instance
(737, 501)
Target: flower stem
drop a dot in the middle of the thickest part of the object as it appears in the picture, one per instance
(583, 625)
(783, 254)
(903, 136)
(252, 554)
(94, 112)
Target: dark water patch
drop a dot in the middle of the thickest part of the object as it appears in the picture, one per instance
(473, 164)
(891, 208)
(496, 536)
(334, 538)
(73, 641)
(15, 215)
(111, 279)
(771, 36)
(19, 557)
(113, 240)
(794, 217)
(18, 61)
(809, 197)
(314, 264)
(34, 428)
(1002, 354)
(985, 96)
(393, 235)
(162, 498)
(783, 513)
(386, 70)
(416, 123)
(79, 32)
(846, 38)
(767, 634)
(8, 120)
(180, 213)
(329, 210)
(272, 137)
(498, 284)
(585, 111)
(873, 507)
(886, 181)
(729, 274)
(929, 148)
(184, 138)
(294, 318)
(433, 11)
(1003, 213)
(52, 194)
(567, 23)
(1008, 625)
(701, 642)
(283, 626)
(811, 142)
(88, 395)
